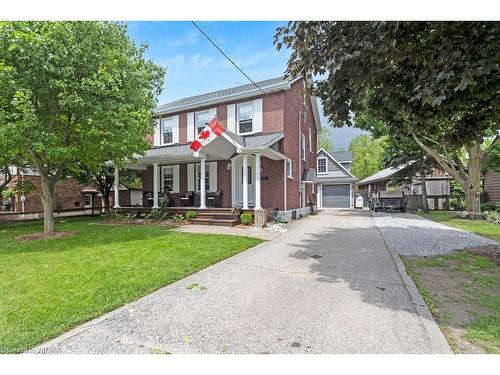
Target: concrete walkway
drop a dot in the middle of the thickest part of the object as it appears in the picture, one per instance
(329, 285)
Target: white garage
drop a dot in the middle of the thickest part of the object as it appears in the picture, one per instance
(335, 180)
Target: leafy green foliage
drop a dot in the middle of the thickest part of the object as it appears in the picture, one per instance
(368, 155)
(325, 140)
(246, 219)
(111, 216)
(492, 217)
(157, 214)
(280, 220)
(51, 286)
(177, 218)
(73, 91)
(191, 215)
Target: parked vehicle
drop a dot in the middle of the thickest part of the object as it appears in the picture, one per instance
(389, 201)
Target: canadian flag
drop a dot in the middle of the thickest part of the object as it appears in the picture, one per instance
(207, 135)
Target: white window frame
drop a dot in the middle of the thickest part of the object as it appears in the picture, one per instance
(326, 164)
(196, 125)
(303, 148)
(289, 168)
(164, 173)
(162, 130)
(310, 140)
(238, 117)
(208, 177)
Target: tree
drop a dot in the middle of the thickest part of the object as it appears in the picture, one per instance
(325, 140)
(73, 91)
(434, 82)
(368, 155)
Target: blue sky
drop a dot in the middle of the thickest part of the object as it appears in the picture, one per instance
(194, 66)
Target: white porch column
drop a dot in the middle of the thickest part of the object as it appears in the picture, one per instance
(117, 189)
(245, 181)
(156, 183)
(203, 190)
(257, 183)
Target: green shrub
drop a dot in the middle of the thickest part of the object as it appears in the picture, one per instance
(280, 220)
(111, 215)
(489, 206)
(191, 215)
(246, 219)
(176, 218)
(492, 216)
(156, 215)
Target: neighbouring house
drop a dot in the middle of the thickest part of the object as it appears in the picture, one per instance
(130, 195)
(437, 184)
(491, 183)
(266, 158)
(335, 180)
(69, 194)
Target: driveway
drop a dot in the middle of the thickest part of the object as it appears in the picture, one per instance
(329, 285)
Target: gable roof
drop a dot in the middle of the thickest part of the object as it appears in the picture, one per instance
(342, 156)
(335, 161)
(267, 85)
(383, 174)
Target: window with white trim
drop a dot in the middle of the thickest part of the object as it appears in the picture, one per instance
(303, 147)
(244, 118)
(207, 177)
(201, 119)
(167, 179)
(322, 165)
(289, 168)
(310, 140)
(167, 130)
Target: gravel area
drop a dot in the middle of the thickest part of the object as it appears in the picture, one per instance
(410, 234)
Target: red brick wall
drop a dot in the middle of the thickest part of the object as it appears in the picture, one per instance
(272, 184)
(67, 193)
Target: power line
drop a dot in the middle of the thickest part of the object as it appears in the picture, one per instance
(237, 67)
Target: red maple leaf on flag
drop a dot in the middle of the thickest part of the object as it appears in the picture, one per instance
(205, 134)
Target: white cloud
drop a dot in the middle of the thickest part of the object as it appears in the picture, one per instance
(188, 38)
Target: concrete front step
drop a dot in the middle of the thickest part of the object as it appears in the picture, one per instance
(220, 222)
(216, 215)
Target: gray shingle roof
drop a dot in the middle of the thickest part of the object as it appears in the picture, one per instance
(342, 156)
(383, 174)
(220, 94)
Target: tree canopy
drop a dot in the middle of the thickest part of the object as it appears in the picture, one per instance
(435, 82)
(368, 155)
(325, 140)
(73, 91)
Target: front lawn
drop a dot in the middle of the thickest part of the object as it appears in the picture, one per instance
(50, 286)
(480, 227)
(462, 290)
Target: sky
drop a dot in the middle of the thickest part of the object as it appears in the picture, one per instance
(194, 66)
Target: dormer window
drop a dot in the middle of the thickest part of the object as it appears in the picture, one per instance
(245, 118)
(201, 120)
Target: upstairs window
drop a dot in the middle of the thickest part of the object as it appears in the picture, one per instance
(167, 132)
(310, 140)
(322, 166)
(201, 120)
(289, 168)
(245, 118)
(303, 147)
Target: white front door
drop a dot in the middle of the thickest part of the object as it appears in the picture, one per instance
(237, 178)
(87, 201)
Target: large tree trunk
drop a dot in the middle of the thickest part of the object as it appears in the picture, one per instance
(105, 198)
(473, 188)
(423, 180)
(48, 211)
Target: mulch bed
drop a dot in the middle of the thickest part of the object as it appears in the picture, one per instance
(44, 236)
(489, 251)
(147, 222)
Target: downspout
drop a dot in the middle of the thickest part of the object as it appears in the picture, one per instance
(299, 177)
(285, 181)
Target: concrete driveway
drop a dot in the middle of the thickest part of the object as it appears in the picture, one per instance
(330, 285)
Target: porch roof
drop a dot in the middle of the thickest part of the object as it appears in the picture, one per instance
(223, 147)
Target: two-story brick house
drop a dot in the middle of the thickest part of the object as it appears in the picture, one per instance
(271, 135)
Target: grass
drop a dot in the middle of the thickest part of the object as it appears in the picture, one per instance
(462, 291)
(480, 227)
(50, 286)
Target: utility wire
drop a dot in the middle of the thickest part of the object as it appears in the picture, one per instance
(236, 66)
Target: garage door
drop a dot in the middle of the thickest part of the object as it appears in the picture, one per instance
(336, 196)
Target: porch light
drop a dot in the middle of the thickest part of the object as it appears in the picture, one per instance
(228, 167)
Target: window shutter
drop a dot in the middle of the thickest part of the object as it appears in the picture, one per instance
(212, 112)
(231, 118)
(175, 188)
(175, 129)
(257, 115)
(190, 126)
(212, 167)
(190, 173)
(156, 138)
